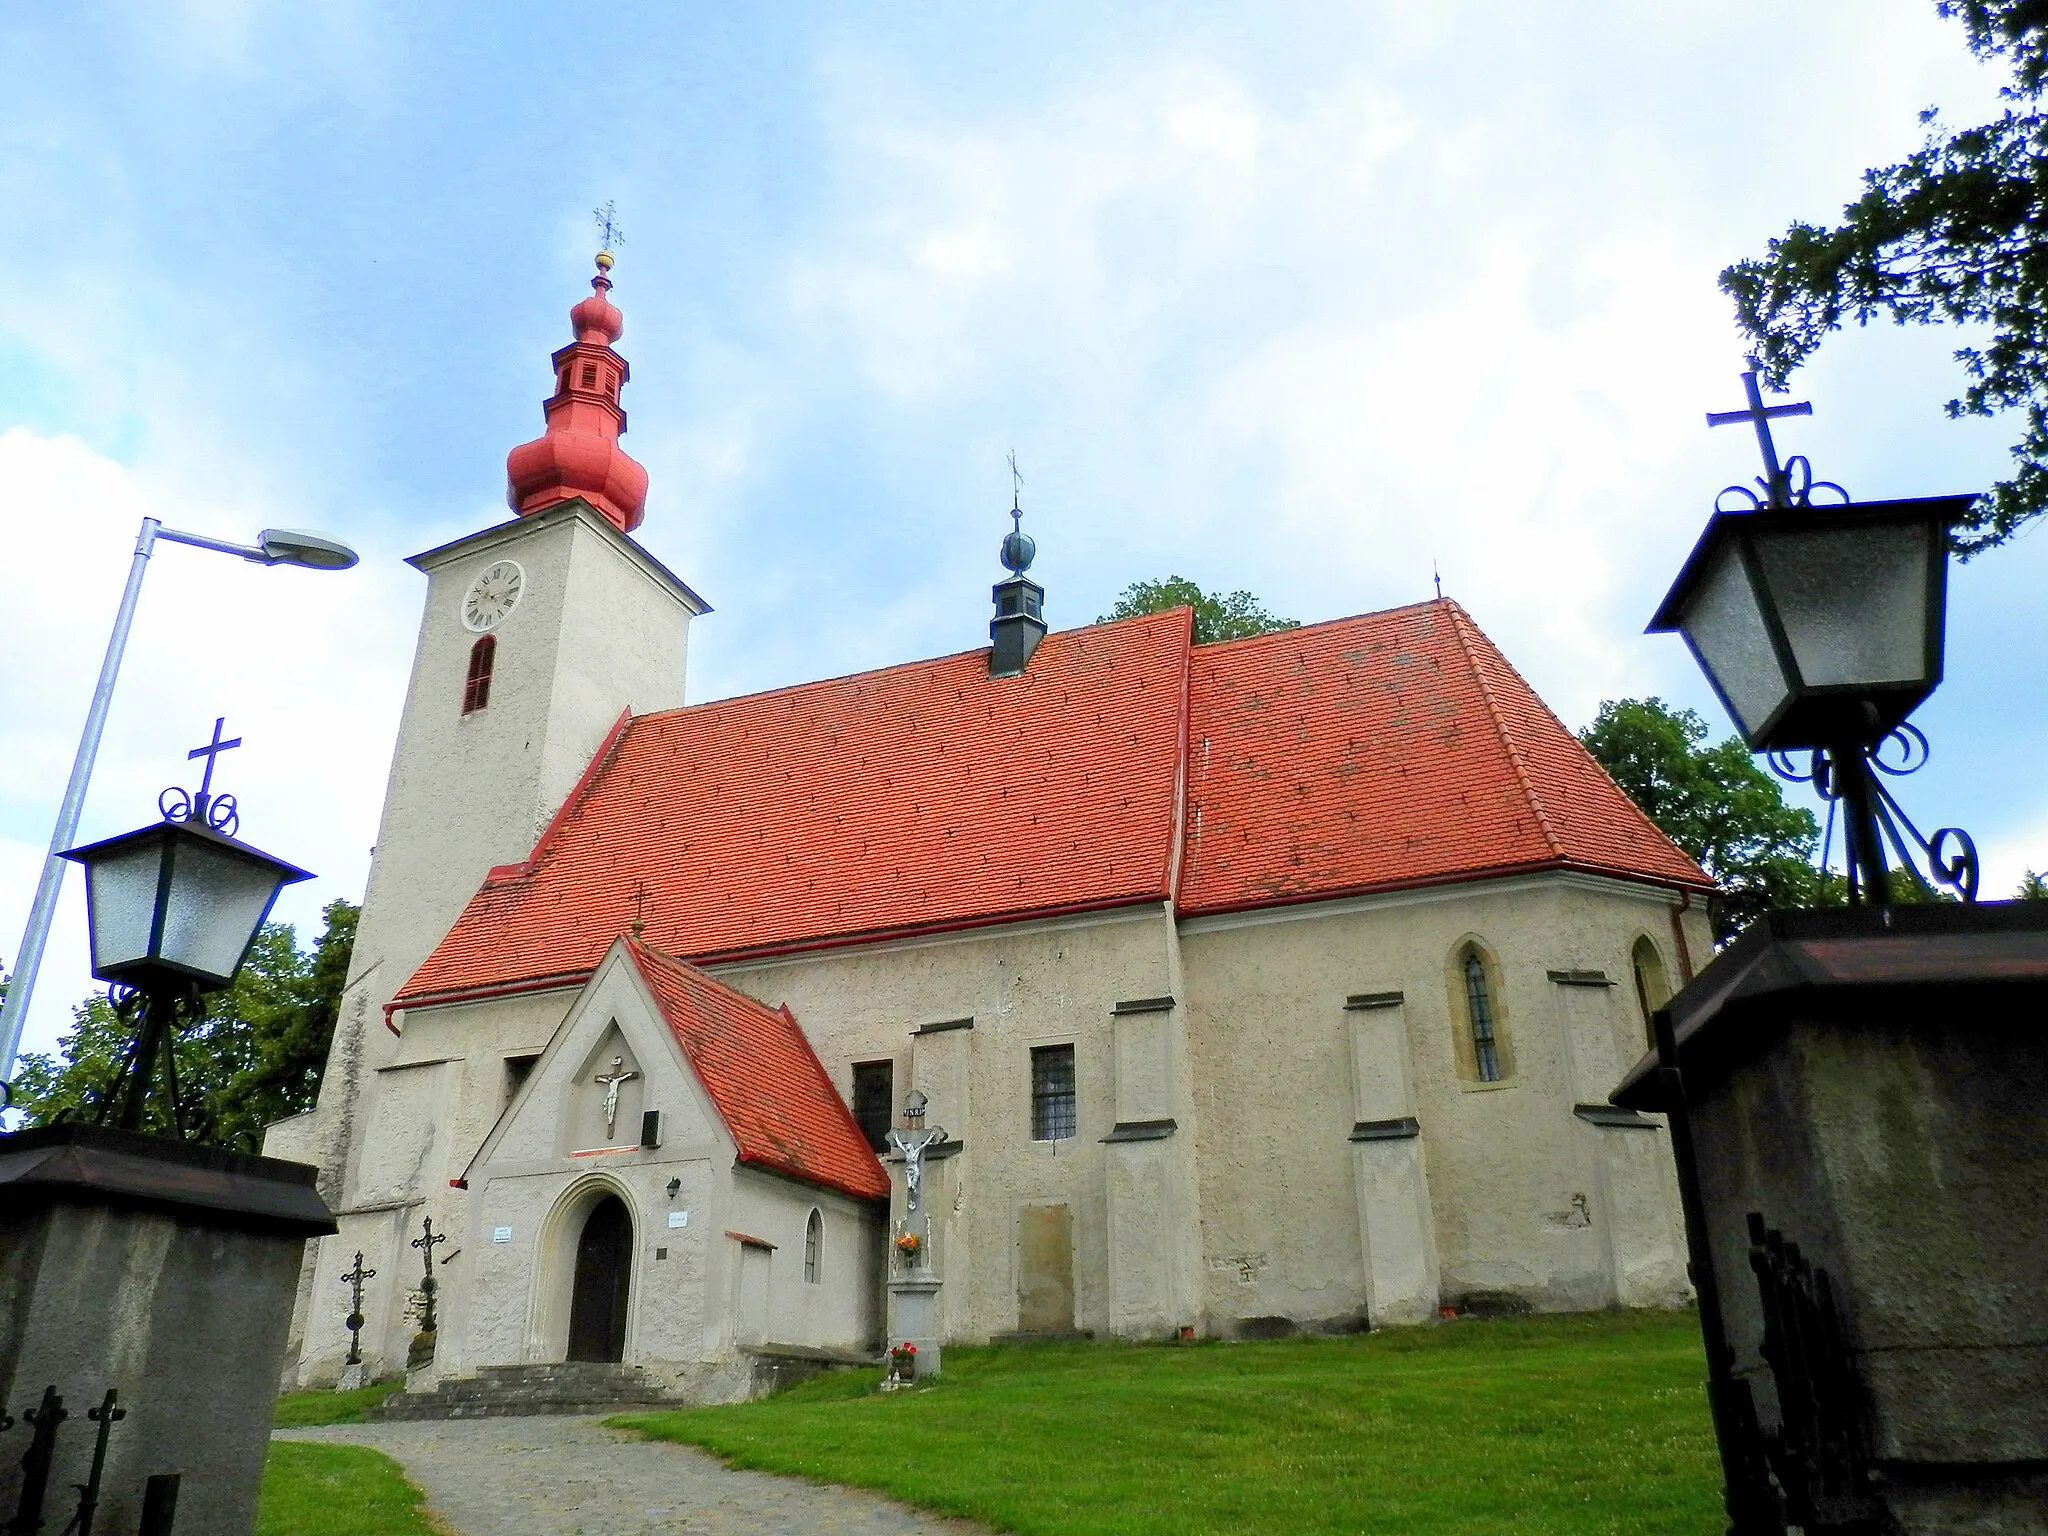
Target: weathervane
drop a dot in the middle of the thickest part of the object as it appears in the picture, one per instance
(611, 236)
(208, 809)
(1016, 492)
(1788, 485)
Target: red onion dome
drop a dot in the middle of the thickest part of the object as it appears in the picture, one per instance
(579, 454)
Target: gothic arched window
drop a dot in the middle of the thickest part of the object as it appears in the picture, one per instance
(476, 693)
(1652, 990)
(814, 1246)
(1478, 1014)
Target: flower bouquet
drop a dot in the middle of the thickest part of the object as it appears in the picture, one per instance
(903, 1363)
(909, 1245)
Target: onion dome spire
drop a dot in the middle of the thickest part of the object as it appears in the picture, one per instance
(579, 454)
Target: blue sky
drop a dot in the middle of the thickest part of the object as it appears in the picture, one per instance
(1297, 298)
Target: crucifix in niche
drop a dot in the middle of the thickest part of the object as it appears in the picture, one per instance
(611, 1081)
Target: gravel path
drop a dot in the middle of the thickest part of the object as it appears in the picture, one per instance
(572, 1477)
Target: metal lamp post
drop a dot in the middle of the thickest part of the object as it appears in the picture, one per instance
(172, 911)
(273, 546)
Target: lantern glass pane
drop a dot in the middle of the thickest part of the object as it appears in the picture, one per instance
(218, 897)
(1725, 624)
(121, 893)
(1852, 600)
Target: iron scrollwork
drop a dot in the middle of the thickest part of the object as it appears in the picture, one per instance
(1949, 856)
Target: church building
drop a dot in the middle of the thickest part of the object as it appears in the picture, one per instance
(1255, 987)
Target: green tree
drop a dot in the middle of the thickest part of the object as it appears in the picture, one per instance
(1952, 233)
(1716, 804)
(255, 1055)
(2033, 887)
(1234, 616)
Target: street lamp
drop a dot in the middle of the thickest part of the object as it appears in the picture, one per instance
(172, 911)
(1820, 627)
(273, 546)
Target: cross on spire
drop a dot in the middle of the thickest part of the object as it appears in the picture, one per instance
(211, 752)
(610, 233)
(1016, 491)
(1777, 482)
(639, 908)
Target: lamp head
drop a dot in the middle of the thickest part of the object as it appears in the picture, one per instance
(291, 546)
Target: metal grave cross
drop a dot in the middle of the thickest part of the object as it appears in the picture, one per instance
(1777, 486)
(613, 1080)
(211, 752)
(608, 225)
(425, 1243)
(354, 1281)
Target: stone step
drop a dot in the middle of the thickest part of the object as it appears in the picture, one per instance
(507, 1391)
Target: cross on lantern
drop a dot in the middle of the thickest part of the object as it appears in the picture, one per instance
(1777, 485)
(211, 752)
(425, 1243)
(608, 225)
(354, 1280)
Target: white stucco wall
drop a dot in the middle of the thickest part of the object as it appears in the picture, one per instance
(1502, 1162)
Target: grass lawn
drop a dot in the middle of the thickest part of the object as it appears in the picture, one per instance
(296, 1410)
(337, 1490)
(1568, 1425)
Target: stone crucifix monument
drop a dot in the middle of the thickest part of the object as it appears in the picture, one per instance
(913, 1284)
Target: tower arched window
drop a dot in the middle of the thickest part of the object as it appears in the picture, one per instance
(1478, 1013)
(476, 692)
(1653, 991)
(814, 1247)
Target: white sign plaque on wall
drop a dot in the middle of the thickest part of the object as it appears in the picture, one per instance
(501, 1234)
(679, 1218)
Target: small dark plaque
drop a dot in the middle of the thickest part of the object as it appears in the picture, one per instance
(1360, 1002)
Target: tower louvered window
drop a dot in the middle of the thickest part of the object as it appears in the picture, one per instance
(1479, 1007)
(874, 1097)
(476, 693)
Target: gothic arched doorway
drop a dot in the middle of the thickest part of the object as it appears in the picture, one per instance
(604, 1275)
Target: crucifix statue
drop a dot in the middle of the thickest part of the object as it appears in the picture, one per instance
(613, 1080)
(354, 1281)
(914, 1140)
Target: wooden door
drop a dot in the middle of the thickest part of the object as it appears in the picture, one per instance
(1045, 1269)
(604, 1278)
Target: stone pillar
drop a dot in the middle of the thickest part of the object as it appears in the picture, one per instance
(1395, 1224)
(1628, 1156)
(1149, 1176)
(1866, 1086)
(914, 1303)
(166, 1272)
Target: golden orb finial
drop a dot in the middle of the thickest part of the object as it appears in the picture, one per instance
(604, 261)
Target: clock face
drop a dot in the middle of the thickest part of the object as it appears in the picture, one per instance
(493, 595)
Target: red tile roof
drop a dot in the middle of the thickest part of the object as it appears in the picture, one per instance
(1393, 749)
(764, 1078)
(1396, 748)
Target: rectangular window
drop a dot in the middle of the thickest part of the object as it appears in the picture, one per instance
(1052, 1092)
(517, 1070)
(874, 1100)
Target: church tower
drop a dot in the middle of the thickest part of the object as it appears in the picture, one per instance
(540, 635)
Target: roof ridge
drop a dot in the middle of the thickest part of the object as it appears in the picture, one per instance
(1275, 635)
(894, 666)
(1461, 621)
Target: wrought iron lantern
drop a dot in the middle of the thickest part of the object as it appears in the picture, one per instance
(1821, 626)
(177, 904)
(172, 912)
(1818, 626)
